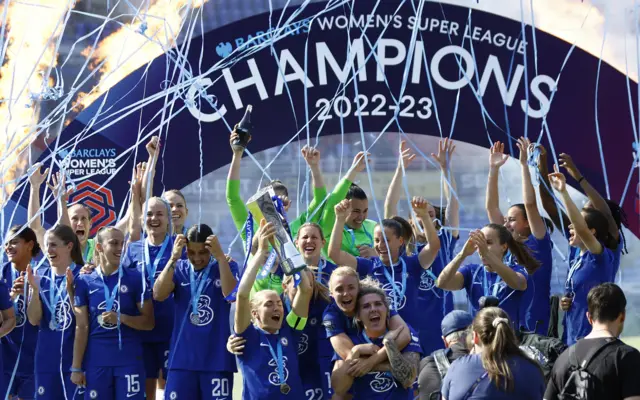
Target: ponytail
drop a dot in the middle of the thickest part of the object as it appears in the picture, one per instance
(67, 235)
(520, 251)
(319, 290)
(500, 345)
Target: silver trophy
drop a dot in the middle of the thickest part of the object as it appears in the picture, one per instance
(261, 206)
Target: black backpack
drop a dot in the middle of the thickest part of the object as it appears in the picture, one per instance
(545, 350)
(582, 384)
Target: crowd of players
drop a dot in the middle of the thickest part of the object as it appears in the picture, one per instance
(149, 300)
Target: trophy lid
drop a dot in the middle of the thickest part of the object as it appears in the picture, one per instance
(245, 123)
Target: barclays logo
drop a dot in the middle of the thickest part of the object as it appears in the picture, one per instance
(223, 49)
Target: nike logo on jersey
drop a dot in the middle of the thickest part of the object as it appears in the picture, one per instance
(132, 394)
(264, 344)
(185, 284)
(93, 291)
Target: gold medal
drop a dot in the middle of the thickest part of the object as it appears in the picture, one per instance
(285, 389)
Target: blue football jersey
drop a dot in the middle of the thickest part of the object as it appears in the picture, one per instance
(103, 347)
(201, 346)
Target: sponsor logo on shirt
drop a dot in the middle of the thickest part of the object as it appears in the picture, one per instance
(274, 379)
(21, 317)
(303, 343)
(103, 307)
(381, 382)
(63, 315)
(400, 303)
(426, 282)
(205, 312)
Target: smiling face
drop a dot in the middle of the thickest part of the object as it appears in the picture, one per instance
(157, 223)
(198, 255)
(344, 290)
(18, 250)
(387, 255)
(310, 242)
(574, 240)
(58, 253)
(80, 222)
(110, 246)
(516, 223)
(359, 212)
(179, 210)
(493, 243)
(373, 311)
(267, 310)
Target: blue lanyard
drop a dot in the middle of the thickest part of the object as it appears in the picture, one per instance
(353, 236)
(487, 286)
(56, 293)
(398, 294)
(110, 296)
(433, 276)
(197, 285)
(276, 357)
(576, 266)
(321, 265)
(151, 269)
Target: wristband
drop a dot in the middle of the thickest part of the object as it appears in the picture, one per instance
(580, 180)
(76, 370)
(296, 322)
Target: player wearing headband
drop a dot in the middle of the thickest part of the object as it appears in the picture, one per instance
(50, 309)
(590, 266)
(20, 344)
(526, 225)
(269, 365)
(493, 278)
(199, 366)
(398, 273)
(395, 376)
(110, 307)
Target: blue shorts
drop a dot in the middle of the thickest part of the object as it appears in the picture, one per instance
(156, 357)
(23, 386)
(199, 385)
(52, 386)
(111, 383)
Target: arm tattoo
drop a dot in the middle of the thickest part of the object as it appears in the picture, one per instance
(404, 367)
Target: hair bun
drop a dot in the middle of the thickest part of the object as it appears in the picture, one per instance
(498, 320)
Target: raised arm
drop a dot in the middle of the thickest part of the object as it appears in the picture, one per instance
(164, 285)
(580, 226)
(443, 158)
(153, 149)
(404, 367)
(340, 257)
(536, 223)
(558, 217)
(339, 193)
(35, 181)
(59, 189)
(300, 304)
(395, 188)
(430, 251)
(497, 158)
(513, 279)
(227, 280)
(450, 278)
(234, 200)
(34, 308)
(599, 203)
(134, 226)
(243, 308)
